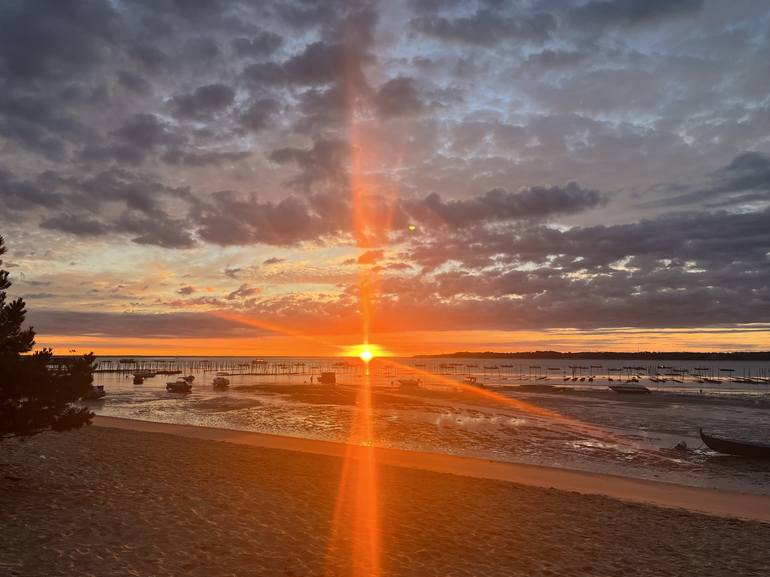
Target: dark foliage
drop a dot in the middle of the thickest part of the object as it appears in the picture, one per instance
(36, 395)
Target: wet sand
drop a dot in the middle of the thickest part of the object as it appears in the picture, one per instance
(709, 501)
(105, 501)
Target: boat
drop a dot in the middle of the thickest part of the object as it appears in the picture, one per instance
(138, 379)
(96, 393)
(751, 449)
(632, 389)
(181, 385)
(189, 378)
(220, 383)
(471, 380)
(409, 383)
(328, 378)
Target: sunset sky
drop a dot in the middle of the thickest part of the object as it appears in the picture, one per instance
(225, 177)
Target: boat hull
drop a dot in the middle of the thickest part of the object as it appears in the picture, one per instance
(630, 390)
(738, 448)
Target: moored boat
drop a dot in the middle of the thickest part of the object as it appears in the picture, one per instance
(96, 393)
(751, 449)
(181, 385)
(409, 383)
(632, 389)
(220, 383)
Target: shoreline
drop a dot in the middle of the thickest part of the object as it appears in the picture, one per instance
(711, 502)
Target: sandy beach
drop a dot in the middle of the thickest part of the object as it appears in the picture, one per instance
(106, 502)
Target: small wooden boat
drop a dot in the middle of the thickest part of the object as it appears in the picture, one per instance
(138, 379)
(220, 383)
(181, 385)
(471, 380)
(409, 383)
(96, 393)
(632, 389)
(751, 449)
(327, 378)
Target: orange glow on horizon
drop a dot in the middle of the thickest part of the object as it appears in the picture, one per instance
(408, 343)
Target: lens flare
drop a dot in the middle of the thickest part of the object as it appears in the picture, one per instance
(366, 355)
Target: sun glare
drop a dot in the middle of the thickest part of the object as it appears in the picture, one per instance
(366, 355)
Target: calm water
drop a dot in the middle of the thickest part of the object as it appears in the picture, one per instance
(595, 428)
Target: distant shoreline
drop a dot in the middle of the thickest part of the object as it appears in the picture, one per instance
(646, 355)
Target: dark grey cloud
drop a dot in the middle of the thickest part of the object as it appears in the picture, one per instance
(260, 44)
(745, 179)
(257, 114)
(273, 260)
(323, 162)
(488, 26)
(46, 38)
(78, 225)
(499, 205)
(233, 219)
(158, 230)
(179, 325)
(598, 14)
(397, 97)
(20, 195)
(203, 101)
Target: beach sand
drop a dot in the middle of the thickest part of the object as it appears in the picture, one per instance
(106, 502)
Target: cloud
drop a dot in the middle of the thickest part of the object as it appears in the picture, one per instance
(242, 292)
(745, 179)
(77, 225)
(398, 97)
(261, 44)
(257, 115)
(598, 14)
(163, 325)
(487, 26)
(371, 257)
(323, 162)
(232, 219)
(499, 205)
(273, 260)
(203, 101)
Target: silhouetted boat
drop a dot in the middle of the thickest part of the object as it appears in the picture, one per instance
(409, 383)
(220, 383)
(471, 380)
(752, 449)
(630, 389)
(181, 385)
(96, 393)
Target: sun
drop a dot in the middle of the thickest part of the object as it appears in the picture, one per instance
(365, 351)
(366, 355)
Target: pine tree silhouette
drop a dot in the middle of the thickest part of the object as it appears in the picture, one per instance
(35, 396)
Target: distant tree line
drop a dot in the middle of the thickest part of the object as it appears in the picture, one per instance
(610, 355)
